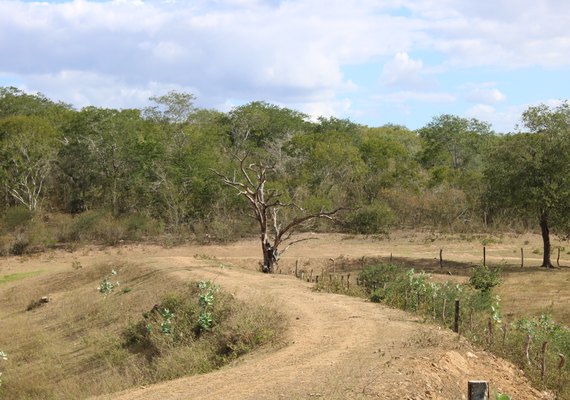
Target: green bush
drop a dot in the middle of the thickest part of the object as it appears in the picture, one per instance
(485, 278)
(377, 276)
(371, 219)
(17, 217)
(198, 330)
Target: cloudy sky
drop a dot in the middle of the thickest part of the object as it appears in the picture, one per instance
(373, 61)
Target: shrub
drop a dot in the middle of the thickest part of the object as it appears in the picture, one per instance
(485, 278)
(17, 217)
(377, 276)
(371, 219)
(109, 231)
(198, 330)
(140, 226)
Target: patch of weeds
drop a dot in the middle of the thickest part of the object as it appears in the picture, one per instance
(3, 357)
(107, 286)
(18, 276)
(75, 264)
(481, 320)
(198, 330)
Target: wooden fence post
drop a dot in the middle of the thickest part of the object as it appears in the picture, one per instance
(561, 364)
(390, 258)
(296, 269)
(522, 257)
(348, 282)
(543, 361)
(478, 390)
(527, 348)
(440, 258)
(484, 256)
(456, 321)
(443, 310)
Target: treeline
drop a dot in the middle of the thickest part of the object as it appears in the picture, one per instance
(107, 175)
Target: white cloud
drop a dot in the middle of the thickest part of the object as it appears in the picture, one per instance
(483, 93)
(87, 88)
(405, 72)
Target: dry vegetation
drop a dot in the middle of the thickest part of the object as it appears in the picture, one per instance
(72, 347)
(77, 344)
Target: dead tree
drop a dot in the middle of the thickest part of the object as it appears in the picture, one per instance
(250, 182)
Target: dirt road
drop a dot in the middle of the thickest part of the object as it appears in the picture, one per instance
(336, 347)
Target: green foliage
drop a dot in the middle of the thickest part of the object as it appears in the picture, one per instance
(198, 330)
(485, 278)
(527, 172)
(480, 319)
(377, 276)
(17, 217)
(3, 357)
(106, 286)
(375, 218)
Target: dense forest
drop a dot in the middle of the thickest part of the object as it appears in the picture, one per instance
(107, 175)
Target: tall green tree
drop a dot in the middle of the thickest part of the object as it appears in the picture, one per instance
(28, 145)
(103, 155)
(529, 172)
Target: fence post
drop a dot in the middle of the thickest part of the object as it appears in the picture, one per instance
(348, 282)
(543, 361)
(440, 258)
(484, 256)
(296, 269)
(390, 258)
(478, 390)
(527, 348)
(456, 321)
(522, 258)
(561, 364)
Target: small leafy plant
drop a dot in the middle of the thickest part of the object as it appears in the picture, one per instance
(107, 286)
(206, 301)
(485, 278)
(4, 357)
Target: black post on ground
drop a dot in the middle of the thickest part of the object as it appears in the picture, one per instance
(478, 390)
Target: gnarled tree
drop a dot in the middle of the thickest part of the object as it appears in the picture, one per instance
(250, 180)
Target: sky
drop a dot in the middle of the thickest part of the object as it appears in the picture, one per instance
(375, 62)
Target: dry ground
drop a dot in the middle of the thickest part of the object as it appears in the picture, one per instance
(336, 347)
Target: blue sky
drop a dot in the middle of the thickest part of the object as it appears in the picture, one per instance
(373, 61)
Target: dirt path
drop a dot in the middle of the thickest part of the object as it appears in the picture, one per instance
(336, 347)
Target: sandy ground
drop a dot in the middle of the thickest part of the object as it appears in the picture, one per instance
(335, 347)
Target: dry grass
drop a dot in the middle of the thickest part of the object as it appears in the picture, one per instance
(72, 347)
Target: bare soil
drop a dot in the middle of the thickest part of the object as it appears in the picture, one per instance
(335, 347)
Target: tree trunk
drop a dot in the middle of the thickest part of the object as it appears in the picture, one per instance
(546, 240)
(269, 256)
